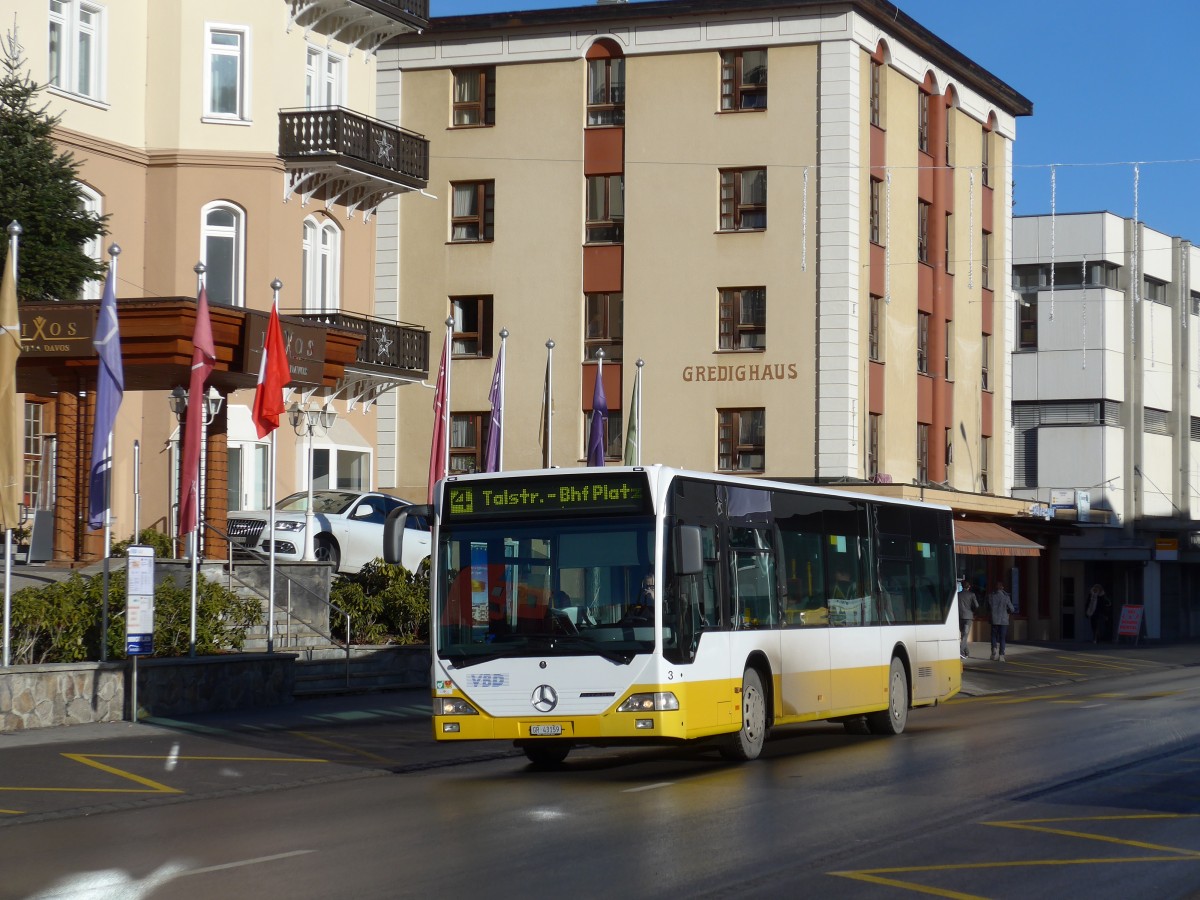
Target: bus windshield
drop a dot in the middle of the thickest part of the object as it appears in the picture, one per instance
(555, 586)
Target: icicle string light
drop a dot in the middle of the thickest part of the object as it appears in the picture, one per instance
(804, 225)
(1053, 212)
(1083, 313)
(971, 230)
(887, 238)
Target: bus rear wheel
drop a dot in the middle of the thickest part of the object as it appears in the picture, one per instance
(893, 719)
(747, 742)
(547, 755)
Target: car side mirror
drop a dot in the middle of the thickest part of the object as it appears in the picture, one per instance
(363, 511)
(393, 530)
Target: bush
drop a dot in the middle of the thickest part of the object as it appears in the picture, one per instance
(386, 603)
(150, 538)
(61, 621)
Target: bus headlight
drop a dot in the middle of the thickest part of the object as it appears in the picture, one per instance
(452, 706)
(662, 701)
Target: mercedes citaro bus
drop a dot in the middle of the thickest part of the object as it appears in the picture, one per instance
(634, 605)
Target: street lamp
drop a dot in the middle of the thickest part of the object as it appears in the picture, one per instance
(306, 421)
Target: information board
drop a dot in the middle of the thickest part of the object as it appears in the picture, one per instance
(139, 601)
(1131, 621)
(565, 495)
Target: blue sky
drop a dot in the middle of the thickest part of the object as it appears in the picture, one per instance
(1110, 85)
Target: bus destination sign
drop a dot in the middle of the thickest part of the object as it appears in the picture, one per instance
(554, 496)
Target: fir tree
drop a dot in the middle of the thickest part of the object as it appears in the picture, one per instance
(39, 189)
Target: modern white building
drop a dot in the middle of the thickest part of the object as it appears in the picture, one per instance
(1106, 410)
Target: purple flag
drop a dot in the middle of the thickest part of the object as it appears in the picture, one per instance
(595, 455)
(491, 461)
(110, 389)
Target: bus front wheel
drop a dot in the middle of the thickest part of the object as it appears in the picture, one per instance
(546, 755)
(893, 719)
(747, 742)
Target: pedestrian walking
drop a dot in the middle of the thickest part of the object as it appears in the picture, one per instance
(967, 604)
(1099, 613)
(1000, 605)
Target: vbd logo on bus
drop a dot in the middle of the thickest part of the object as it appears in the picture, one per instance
(489, 681)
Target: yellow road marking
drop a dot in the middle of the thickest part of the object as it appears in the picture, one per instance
(12, 812)
(366, 754)
(149, 786)
(1041, 825)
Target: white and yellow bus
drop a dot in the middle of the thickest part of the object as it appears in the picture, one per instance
(635, 605)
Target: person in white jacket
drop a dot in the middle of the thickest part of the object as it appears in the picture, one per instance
(1000, 606)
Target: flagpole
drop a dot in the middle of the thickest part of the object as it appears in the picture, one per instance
(113, 251)
(638, 411)
(199, 269)
(14, 235)
(550, 404)
(446, 411)
(275, 286)
(503, 364)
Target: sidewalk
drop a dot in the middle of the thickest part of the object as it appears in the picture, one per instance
(1032, 665)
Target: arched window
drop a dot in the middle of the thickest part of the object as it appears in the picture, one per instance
(91, 202)
(223, 251)
(321, 265)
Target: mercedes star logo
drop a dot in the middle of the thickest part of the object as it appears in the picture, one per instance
(544, 698)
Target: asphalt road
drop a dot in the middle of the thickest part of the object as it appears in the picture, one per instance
(1087, 782)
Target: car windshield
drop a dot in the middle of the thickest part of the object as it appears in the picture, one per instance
(335, 502)
(557, 587)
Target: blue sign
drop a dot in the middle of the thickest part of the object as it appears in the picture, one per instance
(139, 644)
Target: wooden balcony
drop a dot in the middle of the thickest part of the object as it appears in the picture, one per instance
(340, 156)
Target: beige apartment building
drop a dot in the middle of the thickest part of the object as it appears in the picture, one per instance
(241, 135)
(794, 215)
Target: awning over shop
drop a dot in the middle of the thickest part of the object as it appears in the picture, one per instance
(989, 539)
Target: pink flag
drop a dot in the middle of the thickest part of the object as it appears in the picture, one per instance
(273, 376)
(441, 404)
(204, 357)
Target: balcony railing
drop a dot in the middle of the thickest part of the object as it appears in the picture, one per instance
(387, 347)
(366, 145)
(416, 9)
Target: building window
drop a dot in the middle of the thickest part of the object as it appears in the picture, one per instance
(1154, 290)
(986, 161)
(77, 47)
(949, 453)
(922, 121)
(321, 265)
(226, 82)
(922, 453)
(341, 469)
(324, 78)
(468, 441)
(949, 351)
(614, 445)
(472, 336)
(874, 347)
(744, 79)
(606, 91)
(876, 211)
(922, 231)
(605, 209)
(474, 97)
(605, 325)
(985, 351)
(876, 93)
(93, 205)
(473, 216)
(948, 250)
(949, 138)
(923, 343)
(34, 447)
(874, 429)
(742, 319)
(743, 199)
(985, 454)
(223, 252)
(1027, 325)
(741, 440)
(985, 259)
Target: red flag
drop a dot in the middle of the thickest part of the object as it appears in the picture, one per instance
(204, 357)
(273, 376)
(437, 450)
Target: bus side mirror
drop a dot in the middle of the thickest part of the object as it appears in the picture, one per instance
(689, 556)
(393, 530)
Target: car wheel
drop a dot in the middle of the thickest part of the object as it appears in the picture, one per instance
(325, 549)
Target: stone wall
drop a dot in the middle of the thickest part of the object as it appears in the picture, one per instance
(91, 692)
